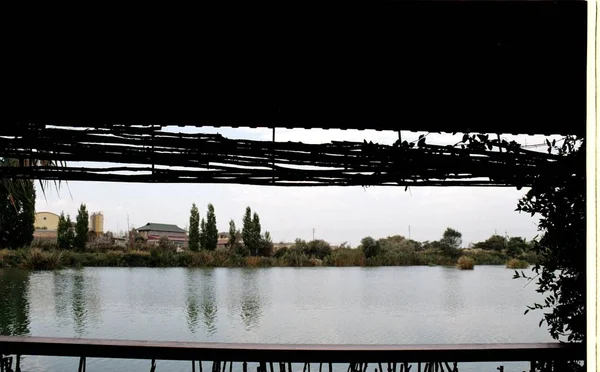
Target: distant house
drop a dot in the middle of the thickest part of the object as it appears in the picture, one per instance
(152, 232)
(223, 239)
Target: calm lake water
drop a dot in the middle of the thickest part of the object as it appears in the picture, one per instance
(404, 305)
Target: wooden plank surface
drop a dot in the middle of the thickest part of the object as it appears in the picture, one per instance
(181, 350)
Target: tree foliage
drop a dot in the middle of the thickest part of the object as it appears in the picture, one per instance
(451, 241)
(265, 248)
(558, 197)
(452, 238)
(251, 232)
(165, 245)
(69, 233)
(370, 247)
(81, 228)
(398, 243)
(318, 248)
(203, 234)
(256, 234)
(212, 234)
(17, 216)
(233, 237)
(194, 229)
(61, 232)
(247, 230)
(515, 246)
(493, 243)
(234, 240)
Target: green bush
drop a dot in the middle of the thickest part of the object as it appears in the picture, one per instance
(482, 257)
(345, 257)
(281, 252)
(517, 264)
(434, 257)
(530, 256)
(36, 259)
(465, 263)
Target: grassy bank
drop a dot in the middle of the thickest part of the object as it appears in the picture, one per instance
(40, 259)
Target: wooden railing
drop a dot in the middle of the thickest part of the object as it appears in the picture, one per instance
(279, 357)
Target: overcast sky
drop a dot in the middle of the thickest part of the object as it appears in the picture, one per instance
(337, 214)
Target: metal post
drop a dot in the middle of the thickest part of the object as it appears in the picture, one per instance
(81, 365)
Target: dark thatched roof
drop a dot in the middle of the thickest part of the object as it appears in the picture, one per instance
(142, 154)
(467, 67)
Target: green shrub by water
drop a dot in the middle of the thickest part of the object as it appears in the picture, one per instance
(517, 264)
(36, 259)
(481, 257)
(465, 263)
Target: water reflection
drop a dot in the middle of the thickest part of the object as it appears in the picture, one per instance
(78, 303)
(60, 291)
(201, 300)
(452, 292)
(250, 299)
(77, 292)
(14, 304)
(191, 302)
(209, 301)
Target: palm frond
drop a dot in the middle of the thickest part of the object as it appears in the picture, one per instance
(16, 188)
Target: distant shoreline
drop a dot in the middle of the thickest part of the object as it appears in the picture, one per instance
(38, 259)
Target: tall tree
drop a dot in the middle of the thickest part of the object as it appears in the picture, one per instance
(256, 236)
(247, 229)
(452, 238)
(81, 227)
(194, 229)
(212, 234)
(70, 233)
(232, 235)
(17, 215)
(61, 232)
(451, 241)
(203, 234)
